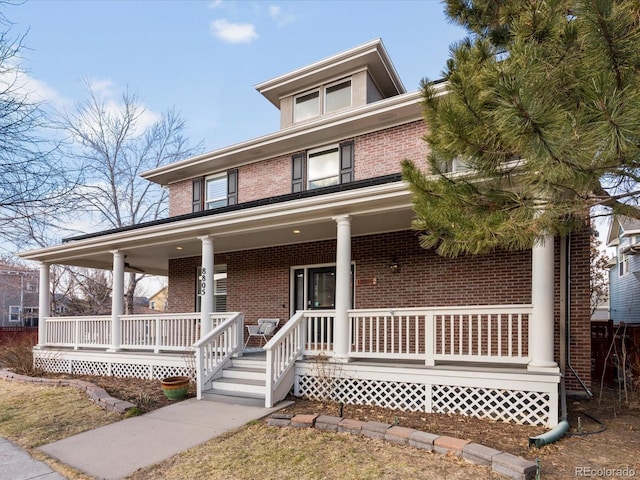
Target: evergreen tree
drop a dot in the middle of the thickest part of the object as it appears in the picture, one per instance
(536, 124)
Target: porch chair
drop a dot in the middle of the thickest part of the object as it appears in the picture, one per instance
(266, 327)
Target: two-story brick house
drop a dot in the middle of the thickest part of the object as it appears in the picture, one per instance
(311, 224)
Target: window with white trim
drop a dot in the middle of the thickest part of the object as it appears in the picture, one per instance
(306, 106)
(623, 264)
(323, 167)
(337, 96)
(216, 191)
(14, 313)
(326, 99)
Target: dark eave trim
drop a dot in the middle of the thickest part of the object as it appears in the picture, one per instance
(370, 182)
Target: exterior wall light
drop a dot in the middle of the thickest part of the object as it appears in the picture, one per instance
(393, 266)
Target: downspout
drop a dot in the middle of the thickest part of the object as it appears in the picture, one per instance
(565, 348)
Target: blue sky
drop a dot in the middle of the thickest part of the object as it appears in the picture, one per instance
(204, 57)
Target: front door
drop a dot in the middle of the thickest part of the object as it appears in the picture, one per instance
(314, 288)
(321, 294)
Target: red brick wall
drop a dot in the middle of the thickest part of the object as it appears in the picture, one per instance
(376, 154)
(265, 179)
(380, 153)
(180, 198)
(258, 280)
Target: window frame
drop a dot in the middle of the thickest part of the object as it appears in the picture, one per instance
(307, 93)
(223, 197)
(334, 84)
(316, 153)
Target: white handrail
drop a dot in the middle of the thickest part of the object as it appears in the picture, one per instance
(215, 349)
(283, 350)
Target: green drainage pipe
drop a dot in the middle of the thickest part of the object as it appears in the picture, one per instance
(551, 436)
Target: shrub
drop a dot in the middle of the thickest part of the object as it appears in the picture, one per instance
(16, 354)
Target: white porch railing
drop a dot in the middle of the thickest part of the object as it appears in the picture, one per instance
(282, 352)
(77, 332)
(490, 334)
(161, 332)
(215, 350)
(495, 334)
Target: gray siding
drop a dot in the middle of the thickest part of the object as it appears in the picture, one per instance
(624, 291)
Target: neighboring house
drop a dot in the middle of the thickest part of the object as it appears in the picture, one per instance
(18, 296)
(311, 225)
(624, 274)
(158, 301)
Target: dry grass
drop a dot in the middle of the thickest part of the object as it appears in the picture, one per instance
(260, 451)
(32, 415)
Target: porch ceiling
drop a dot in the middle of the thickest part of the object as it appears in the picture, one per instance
(379, 209)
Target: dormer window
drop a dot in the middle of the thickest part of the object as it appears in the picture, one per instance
(330, 98)
(337, 96)
(307, 106)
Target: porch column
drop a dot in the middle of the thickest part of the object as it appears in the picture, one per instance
(206, 285)
(343, 286)
(44, 303)
(541, 321)
(117, 298)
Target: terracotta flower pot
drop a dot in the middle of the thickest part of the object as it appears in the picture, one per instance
(175, 388)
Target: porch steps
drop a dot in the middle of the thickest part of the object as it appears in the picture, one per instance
(242, 383)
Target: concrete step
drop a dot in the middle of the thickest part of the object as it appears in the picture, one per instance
(239, 386)
(245, 373)
(214, 395)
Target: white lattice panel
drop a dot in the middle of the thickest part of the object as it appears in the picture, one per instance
(89, 368)
(531, 408)
(53, 365)
(387, 394)
(124, 370)
(163, 371)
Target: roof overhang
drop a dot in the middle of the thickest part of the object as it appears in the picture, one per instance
(375, 209)
(371, 55)
(332, 128)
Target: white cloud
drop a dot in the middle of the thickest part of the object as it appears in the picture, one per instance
(280, 16)
(233, 32)
(20, 84)
(215, 4)
(101, 86)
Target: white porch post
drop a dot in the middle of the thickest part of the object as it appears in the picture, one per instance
(343, 287)
(206, 285)
(117, 298)
(44, 303)
(541, 321)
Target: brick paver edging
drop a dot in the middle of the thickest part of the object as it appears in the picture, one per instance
(503, 463)
(97, 395)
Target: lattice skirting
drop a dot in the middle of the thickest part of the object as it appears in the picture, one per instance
(112, 369)
(522, 407)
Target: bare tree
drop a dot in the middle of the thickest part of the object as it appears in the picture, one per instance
(114, 143)
(599, 274)
(34, 181)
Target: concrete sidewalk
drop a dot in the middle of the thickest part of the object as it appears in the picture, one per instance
(119, 449)
(17, 464)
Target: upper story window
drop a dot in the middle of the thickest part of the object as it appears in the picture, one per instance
(337, 96)
(306, 106)
(322, 167)
(329, 98)
(215, 191)
(623, 264)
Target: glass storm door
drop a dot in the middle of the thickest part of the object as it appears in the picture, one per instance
(321, 293)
